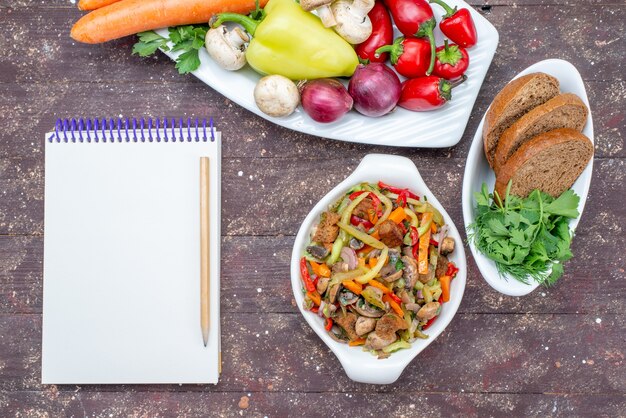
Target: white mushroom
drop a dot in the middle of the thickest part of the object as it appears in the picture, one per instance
(353, 23)
(227, 48)
(322, 7)
(276, 95)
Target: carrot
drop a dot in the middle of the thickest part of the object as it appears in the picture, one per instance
(365, 250)
(397, 215)
(445, 288)
(375, 235)
(352, 286)
(379, 285)
(321, 270)
(315, 297)
(433, 228)
(424, 242)
(127, 17)
(358, 341)
(361, 261)
(396, 308)
(94, 4)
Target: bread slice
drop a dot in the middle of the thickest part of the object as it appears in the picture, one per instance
(513, 101)
(550, 162)
(563, 111)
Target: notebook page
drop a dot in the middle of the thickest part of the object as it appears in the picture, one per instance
(122, 263)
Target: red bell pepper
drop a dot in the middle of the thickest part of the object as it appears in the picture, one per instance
(429, 323)
(356, 221)
(427, 93)
(401, 200)
(458, 25)
(397, 190)
(409, 56)
(415, 18)
(395, 298)
(329, 324)
(452, 270)
(452, 61)
(433, 242)
(306, 277)
(382, 34)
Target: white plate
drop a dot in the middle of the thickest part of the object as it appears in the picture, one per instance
(436, 129)
(359, 365)
(477, 171)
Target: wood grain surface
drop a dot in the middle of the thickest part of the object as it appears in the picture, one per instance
(556, 352)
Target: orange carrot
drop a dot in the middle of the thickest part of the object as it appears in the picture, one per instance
(445, 288)
(94, 4)
(433, 228)
(375, 235)
(424, 242)
(358, 341)
(397, 215)
(397, 309)
(361, 261)
(373, 262)
(321, 270)
(127, 17)
(352, 286)
(366, 249)
(379, 285)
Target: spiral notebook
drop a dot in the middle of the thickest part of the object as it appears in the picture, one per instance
(121, 301)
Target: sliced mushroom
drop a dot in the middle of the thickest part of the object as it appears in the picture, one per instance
(322, 284)
(346, 297)
(425, 278)
(353, 24)
(365, 309)
(355, 244)
(393, 277)
(447, 245)
(412, 307)
(406, 298)
(364, 325)
(347, 322)
(429, 311)
(322, 7)
(317, 251)
(227, 48)
(410, 271)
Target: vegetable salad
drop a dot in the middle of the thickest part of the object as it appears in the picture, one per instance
(376, 270)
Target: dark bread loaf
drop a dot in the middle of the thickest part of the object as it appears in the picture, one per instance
(550, 162)
(563, 111)
(513, 101)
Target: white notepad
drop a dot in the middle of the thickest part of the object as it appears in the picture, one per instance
(121, 301)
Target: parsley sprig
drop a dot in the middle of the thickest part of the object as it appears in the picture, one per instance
(528, 238)
(188, 39)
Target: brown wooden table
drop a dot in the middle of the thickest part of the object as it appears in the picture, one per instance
(556, 352)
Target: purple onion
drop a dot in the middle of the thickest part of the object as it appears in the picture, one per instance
(325, 100)
(349, 256)
(375, 89)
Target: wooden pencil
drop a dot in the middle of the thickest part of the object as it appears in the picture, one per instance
(204, 248)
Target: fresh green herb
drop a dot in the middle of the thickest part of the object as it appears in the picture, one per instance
(528, 238)
(188, 39)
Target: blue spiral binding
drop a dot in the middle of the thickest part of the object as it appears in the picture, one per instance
(125, 130)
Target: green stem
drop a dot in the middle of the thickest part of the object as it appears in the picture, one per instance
(426, 31)
(395, 50)
(449, 10)
(248, 23)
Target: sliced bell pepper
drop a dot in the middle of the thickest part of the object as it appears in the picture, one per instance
(315, 297)
(306, 277)
(329, 324)
(452, 269)
(398, 215)
(358, 341)
(445, 288)
(356, 221)
(352, 286)
(394, 305)
(379, 285)
(397, 190)
(424, 242)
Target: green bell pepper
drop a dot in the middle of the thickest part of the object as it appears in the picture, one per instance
(293, 43)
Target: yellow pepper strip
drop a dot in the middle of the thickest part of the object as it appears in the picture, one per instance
(396, 308)
(433, 228)
(315, 297)
(355, 288)
(360, 235)
(379, 285)
(412, 216)
(424, 242)
(358, 341)
(397, 215)
(321, 270)
(374, 272)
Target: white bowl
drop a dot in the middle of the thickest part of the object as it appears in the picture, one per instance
(477, 171)
(361, 366)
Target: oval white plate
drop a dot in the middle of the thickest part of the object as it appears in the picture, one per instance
(441, 128)
(477, 171)
(359, 365)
